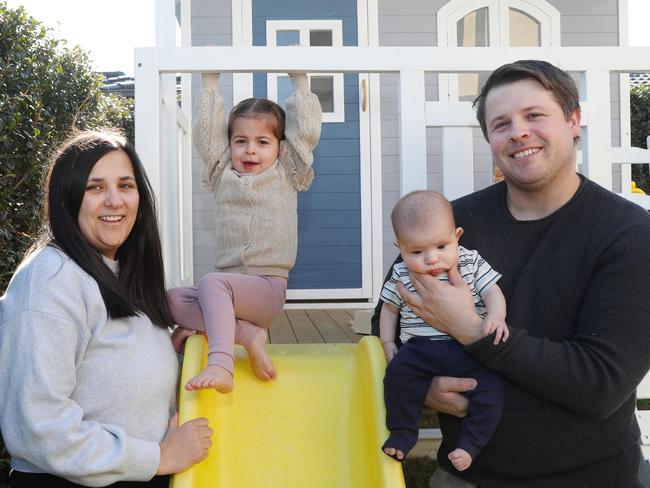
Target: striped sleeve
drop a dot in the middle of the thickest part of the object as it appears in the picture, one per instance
(484, 275)
(389, 293)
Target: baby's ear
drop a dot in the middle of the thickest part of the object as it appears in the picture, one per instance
(459, 232)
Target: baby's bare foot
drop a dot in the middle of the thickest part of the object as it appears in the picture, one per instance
(394, 453)
(460, 459)
(212, 376)
(260, 360)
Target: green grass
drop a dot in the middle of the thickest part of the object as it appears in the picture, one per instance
(417, 472)
(429, 419)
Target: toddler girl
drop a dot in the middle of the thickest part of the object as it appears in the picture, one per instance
(254, 167)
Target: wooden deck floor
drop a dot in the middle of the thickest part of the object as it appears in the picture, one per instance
(311, 326)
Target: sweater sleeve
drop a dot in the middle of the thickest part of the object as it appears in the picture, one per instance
(41, 423)
(597, 369)
(302, 132)
(210, 132)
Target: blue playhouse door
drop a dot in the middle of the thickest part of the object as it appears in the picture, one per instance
(329, 264)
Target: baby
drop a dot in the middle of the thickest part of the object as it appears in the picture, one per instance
(427, 238)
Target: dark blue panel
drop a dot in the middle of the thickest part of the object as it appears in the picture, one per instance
(325, 237)
(331, 254)
(330, 201)
(335, 184)
(339, 131)
(341, 147)
(329, 218)
(286, 9)
(336, 165)
(259, 85)
(331, 276)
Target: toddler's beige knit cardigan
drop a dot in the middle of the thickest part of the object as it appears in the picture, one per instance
(256, 215)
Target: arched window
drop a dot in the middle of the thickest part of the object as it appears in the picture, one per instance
(496, 23)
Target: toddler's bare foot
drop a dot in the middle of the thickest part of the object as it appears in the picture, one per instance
(394, 453)
(212, 376)
(460, 459)
(260, 360)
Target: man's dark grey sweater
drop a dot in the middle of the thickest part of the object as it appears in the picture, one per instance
(577, 286)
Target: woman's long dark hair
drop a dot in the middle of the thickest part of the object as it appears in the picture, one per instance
(140, 286)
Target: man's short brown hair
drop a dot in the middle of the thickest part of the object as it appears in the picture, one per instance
(552, 78)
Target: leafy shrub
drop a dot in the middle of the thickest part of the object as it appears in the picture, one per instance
(640, 115)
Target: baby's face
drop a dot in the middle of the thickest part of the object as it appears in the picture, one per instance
(430, 249)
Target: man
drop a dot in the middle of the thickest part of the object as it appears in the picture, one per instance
(576, 276)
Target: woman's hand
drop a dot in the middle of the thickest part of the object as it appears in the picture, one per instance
(179, 336)
(184, 446)
(445, 395)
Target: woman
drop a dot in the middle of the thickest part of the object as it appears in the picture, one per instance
(88, 373)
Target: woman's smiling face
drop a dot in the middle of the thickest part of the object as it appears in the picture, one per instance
(110, 203)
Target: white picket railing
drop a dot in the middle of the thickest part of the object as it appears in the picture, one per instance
(169, 168)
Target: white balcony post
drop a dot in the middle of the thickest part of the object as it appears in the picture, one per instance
(186, 41)
(457, 162)
(597, 138)
(148, 126)
(412, 129)
(171, 177)
(186, 251)
(242, 36)
(147, 120)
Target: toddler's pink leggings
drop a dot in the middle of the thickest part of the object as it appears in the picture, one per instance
(230, 307)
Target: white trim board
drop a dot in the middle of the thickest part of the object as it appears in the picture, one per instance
(352, 59)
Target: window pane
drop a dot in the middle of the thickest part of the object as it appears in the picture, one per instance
(287, 37)
(472, 30)
(284, 89)
(524, 30)
(469, 85)
(323, 87)
(320, 38)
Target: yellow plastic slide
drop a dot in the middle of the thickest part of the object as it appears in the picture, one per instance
(321, 423)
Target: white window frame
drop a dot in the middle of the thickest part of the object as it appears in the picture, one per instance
(304, 27)
(498, 26)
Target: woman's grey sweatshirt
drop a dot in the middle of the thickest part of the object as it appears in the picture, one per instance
(84, 397)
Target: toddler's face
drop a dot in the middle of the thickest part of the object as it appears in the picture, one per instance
(253, 145)
(430, 249)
